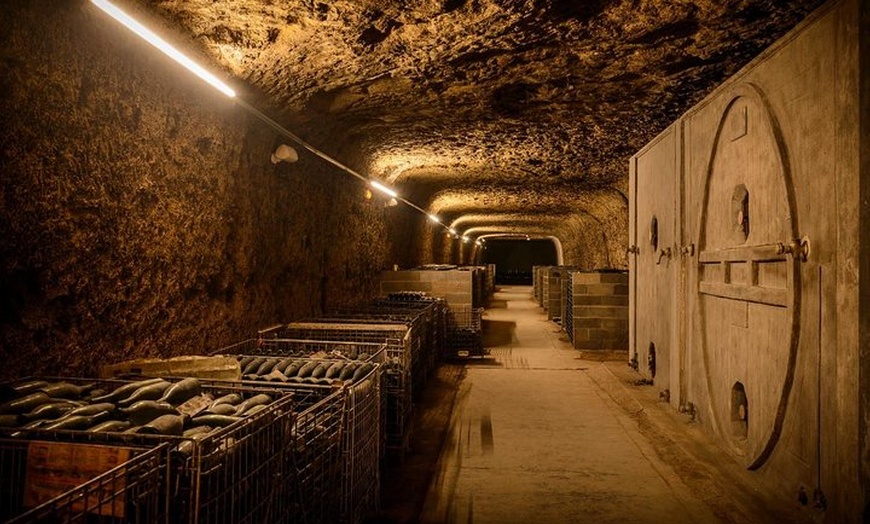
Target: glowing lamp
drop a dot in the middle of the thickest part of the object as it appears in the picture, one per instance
(383, 189)
(133, 25)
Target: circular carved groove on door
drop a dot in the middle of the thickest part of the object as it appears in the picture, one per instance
(748, 294)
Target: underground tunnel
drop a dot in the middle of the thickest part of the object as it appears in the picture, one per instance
(672, 193)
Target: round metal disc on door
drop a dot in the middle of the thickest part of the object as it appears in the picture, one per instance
(748, 285)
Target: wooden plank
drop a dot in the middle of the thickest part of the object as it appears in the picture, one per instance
(53, 468)
(760, 295)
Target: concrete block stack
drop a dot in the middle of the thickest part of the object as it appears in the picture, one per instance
(600, 311)
(456, 287)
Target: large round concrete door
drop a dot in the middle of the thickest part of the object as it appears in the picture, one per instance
(748, 279)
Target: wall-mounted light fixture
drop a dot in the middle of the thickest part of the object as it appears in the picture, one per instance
(285, 153)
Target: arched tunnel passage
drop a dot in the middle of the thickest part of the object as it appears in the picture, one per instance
(515, 257)
(145, 216)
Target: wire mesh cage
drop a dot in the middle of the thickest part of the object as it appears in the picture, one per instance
(267, 345)
(314, 461)
(478, 286)
(396, 369)
(554, 294)
(352, 488)
(51, 482)
(436, 317)
(464, 335)
(362, 457)
(568, 315)
(229, 471)
(420, 323)
(465, 317)
(361, 426)
(490, 279)
(545, 287)
(567, 289)
(536, 283)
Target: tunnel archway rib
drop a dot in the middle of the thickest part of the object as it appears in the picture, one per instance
(589, 223)
(473, 225)
(585, 251)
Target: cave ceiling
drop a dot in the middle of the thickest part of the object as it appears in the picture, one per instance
(485, 111)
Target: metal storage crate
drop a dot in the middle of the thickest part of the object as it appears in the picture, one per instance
(538, 275)
(312, 473)
(490, 280)
(134, 491)
(279, 347)
(567, 289)
(360, 443)
(535, 282)
(464, 338)
(361, 426)
(232, 475)
(568, 315)
(436, 309)
(314, 469)
(478, 288)
(362, 451)
(420, 322)
(396, 369)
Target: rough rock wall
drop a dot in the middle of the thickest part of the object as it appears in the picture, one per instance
(596, 236)
(139, 212)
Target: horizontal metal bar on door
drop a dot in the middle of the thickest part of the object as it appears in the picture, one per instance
(758, 253)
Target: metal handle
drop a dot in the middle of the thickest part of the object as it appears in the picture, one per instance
(796, 247)
(666, 252)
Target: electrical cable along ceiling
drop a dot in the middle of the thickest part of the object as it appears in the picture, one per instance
(486, 109)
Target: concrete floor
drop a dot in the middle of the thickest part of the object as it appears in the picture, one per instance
(535, 434)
